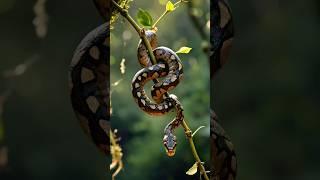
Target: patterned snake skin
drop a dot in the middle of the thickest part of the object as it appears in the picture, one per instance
(170, 68)
(89, 82)
(223, 157)
(89, 77)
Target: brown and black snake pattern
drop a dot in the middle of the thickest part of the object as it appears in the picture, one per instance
(170, 68)
(89, 84)
(221, 31)
(89, 81)
(223, 157)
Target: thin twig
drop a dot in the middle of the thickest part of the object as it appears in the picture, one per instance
(139, 30)
(166, 12)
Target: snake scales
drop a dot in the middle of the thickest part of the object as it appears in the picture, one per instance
(89, 85)
(168, 66)
(223, 157)
(89, 81)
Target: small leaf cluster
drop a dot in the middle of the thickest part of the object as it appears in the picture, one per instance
(144, 18)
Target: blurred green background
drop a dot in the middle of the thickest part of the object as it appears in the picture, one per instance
(267, 95)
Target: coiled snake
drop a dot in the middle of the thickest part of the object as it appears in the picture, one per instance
(168, 66)
(89, 81)
(223, 157)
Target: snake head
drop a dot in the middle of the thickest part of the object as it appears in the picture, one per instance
(170, 143)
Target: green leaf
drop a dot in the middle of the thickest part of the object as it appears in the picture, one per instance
(144, 18)
(184, 50)
(193, 169)
(169, 6)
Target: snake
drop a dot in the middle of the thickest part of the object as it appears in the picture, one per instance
(89, 81)
(168, 67)
(89, 86)
(223, 156)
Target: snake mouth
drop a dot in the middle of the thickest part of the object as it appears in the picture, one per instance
(171, 153)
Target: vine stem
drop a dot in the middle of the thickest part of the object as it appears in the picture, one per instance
(139, 30)
(166, 12)
(185, 126)
(162, 15)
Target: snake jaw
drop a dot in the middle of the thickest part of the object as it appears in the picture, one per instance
(171, 153)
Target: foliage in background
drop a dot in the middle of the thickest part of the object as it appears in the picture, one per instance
(115, 13)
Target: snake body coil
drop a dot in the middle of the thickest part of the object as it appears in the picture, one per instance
(170, 68)
(89, 84)
(223, 157)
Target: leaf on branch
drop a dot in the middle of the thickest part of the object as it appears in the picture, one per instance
(184, 50)
(170, 6)
(193, 170)
(144, 18)
(195, 132)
